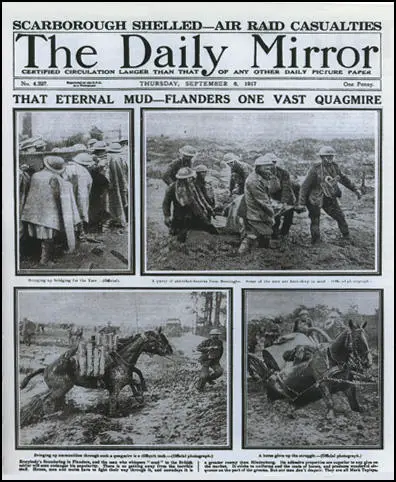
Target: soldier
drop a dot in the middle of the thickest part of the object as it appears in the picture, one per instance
(259, 213)
(203, 184)
(90, 144)
(118, 185)
(320, 190)
(186, 154)
(239, 172)
(125, 155)
(303, 322)
(211, 352)
(285, 191)
(24, 185)
(77, 173)
(50, 207)
(191, 211)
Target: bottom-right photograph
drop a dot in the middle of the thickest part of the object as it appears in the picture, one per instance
(312, 369)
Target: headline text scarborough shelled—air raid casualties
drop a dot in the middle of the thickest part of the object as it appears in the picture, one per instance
(194, 25)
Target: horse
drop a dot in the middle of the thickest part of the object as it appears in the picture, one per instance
(328, 370)
(61, 375)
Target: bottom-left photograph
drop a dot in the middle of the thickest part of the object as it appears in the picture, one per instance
(123, 367)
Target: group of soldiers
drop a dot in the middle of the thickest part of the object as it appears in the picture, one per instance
(264, 197)
(65, 199)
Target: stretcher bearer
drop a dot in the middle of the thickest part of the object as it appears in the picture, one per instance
(185, 208)
(320, 190)
(259, 213)
(239, 173)
(186, 155)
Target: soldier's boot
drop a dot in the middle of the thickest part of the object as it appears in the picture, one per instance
(248, 243)
(46, 251)
(201, 384)
(315, 233)
(343, 227)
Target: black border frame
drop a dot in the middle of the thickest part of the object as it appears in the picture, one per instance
(143, 181)
(230, 375)
(244, 369)
(132, 208)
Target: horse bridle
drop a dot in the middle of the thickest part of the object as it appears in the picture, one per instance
(353, 361)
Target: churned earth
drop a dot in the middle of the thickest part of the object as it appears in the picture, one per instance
(276, 424)
(207, 252)
(174, 413)
(107, 251)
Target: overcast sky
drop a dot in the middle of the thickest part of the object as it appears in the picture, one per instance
(97, 308)
(285, 126)
(53, 125)
(284, 302)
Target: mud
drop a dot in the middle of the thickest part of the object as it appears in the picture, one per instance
(174, 413)
(277, 424)
(206, 252)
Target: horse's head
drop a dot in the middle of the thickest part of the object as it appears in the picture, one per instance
(156, 342)
(360, 350)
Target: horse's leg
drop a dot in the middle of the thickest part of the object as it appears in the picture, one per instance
(328, 399)
(113, 400)
(351, 394)
(141, 378)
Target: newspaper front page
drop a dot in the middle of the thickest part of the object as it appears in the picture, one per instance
(198, 240)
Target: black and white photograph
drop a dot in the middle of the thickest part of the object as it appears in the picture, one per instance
(146, 368)
(73, 196)
(253, 191)
(312, 370)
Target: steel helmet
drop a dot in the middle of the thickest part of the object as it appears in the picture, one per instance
(54, 163)
(114, 147)
(84, 159)
(270, 156)
(188, 151)
(215, 331)
(185, 173)
(99, 146)
(326, 151)
(201, 168)
(230, 157)
(264, 161)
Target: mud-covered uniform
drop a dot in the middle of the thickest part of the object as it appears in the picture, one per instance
(239, 173)
(313, 196)
(211, 353)
(206, 190)
(287, 192)
(170, 174)
(259, 213)
(183, 217)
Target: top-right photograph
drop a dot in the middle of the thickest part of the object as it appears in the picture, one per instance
(232, 191)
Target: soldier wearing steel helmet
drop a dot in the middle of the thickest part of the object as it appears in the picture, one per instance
(203, 185)
(186, 155)
(211, 351)
(259, 213)
(239, 172)
(286, 192)
(320, 190)
(185, 208)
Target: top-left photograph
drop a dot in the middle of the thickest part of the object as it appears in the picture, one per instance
(73, 199)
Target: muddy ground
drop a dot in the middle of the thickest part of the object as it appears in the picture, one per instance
(206, 252)
(96, 253)
(173, 414)
(276, 424)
